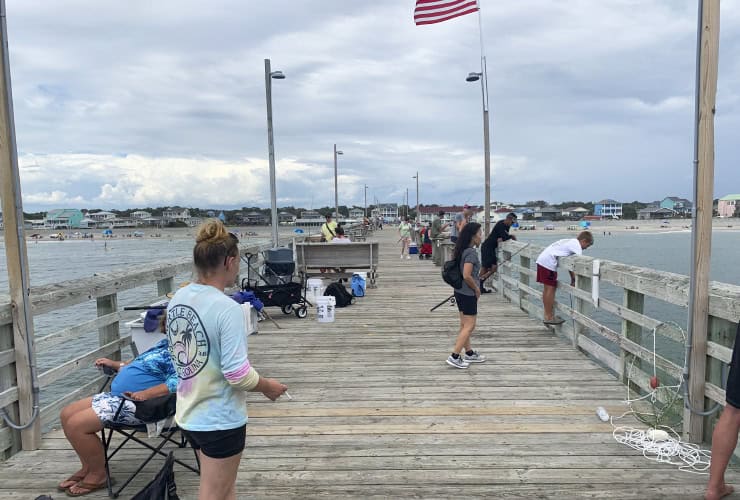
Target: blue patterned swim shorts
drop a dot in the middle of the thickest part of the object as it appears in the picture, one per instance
(105, 405)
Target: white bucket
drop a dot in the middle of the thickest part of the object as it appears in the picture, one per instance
(362, 274)
(325, 309)
(314, 289)
(250, 317)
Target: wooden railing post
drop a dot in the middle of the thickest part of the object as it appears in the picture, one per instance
(165, 286)
(722, 332)
(7, 380)
(108, 304)
(525, 263)
(631, 331)
(581, 306)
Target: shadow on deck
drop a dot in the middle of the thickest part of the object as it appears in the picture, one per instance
(377, 413)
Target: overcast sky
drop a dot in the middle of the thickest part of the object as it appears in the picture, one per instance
(162, 102)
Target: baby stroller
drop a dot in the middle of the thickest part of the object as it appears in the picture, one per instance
(279, 289)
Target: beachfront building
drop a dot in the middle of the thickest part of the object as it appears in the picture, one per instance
(286, 218)
(681, 206)
(140, 214)
(547, 213)
(388, 211)
(727, 205)
(63, 218)
(575, 213)
(101, 216)
(654, 212)
(194, 221)
(429, 213)
(608, 209)
(175, 214)
(356, 213)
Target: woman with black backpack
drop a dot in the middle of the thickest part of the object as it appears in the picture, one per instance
(466, 297)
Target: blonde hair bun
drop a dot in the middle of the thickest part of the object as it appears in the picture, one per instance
(211, 231)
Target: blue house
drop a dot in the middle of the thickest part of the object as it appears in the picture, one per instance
(610, 209)
(681, 206)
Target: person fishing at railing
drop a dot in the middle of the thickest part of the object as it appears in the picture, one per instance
(547, 265)
(206, 330)
(149, 375)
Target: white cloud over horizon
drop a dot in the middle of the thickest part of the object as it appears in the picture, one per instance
(163, 103)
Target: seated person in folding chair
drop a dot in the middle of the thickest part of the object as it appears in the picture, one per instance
(149, 375)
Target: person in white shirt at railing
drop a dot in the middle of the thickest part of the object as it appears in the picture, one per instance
(547, 266)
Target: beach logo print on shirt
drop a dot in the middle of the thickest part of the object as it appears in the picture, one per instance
(189, 346)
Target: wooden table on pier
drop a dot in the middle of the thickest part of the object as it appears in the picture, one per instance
(378, 414)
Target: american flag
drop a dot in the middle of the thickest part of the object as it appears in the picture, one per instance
(436, 11)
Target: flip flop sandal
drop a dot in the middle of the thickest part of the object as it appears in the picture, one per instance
(558, 321)
(89, 488)
(74, 479)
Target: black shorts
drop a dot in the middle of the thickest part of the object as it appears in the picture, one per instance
(218, 444)
(488, 257)
(732, 392)
(467, 304)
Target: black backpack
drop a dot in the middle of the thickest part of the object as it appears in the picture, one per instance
(340, 293)
(451, 273)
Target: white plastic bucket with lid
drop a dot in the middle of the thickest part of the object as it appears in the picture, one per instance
(325, 306)
(314, 289)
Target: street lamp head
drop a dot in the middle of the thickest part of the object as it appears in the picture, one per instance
(473, 77)
(277, 75)
(340, 152)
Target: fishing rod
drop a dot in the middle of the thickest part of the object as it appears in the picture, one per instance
(451, 297)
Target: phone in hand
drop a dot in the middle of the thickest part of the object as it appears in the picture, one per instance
(107, 370)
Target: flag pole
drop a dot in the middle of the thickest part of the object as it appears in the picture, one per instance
(486, 129)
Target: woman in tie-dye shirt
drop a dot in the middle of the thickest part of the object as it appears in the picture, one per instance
(208, 346)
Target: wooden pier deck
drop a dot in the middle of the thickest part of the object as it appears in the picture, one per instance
(378, 414)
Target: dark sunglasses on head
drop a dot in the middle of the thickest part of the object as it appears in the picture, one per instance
(234, 243)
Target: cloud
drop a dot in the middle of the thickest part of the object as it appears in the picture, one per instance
(157, 103)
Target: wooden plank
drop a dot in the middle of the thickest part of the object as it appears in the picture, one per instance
(85, 360)
(62, 336)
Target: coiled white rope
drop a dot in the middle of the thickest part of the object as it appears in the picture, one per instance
(659, 443)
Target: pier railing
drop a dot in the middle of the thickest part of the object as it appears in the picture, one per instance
(617, 329)
(97, 302)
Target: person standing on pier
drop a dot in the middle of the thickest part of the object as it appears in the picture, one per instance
(547, 265)
(328, 229)
(438, 226)
(404, 231)
(466, 297)
(459, 222)
(724, 437)
(208, 346)
(499, 234)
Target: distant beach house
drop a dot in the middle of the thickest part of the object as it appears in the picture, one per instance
(429, 213)
(356, 213)
(547, 213)
(727, 205)
(101, 216)
(575, 213)
(651, 213)
(285, 218)
(681, 206)
(175, 214)
(63, 218)
(388, 210)
(140, 214)
(608, 208)
(255, 218)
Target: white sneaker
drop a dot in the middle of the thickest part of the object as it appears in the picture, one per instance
(476, 357)
(408, 256)
(401, 256)
(457, 362)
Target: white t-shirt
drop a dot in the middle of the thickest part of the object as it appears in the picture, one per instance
(561, 248)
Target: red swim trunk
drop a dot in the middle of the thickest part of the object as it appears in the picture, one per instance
(547, 277)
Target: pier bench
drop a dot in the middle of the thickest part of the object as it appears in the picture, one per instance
(324, 259)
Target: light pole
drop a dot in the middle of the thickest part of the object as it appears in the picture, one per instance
(336, 192)
(269, 75)
(418, 216)
(366, 201)
(407, 202)
(474, 77)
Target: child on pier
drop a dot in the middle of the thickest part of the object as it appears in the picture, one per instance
(547, 265)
